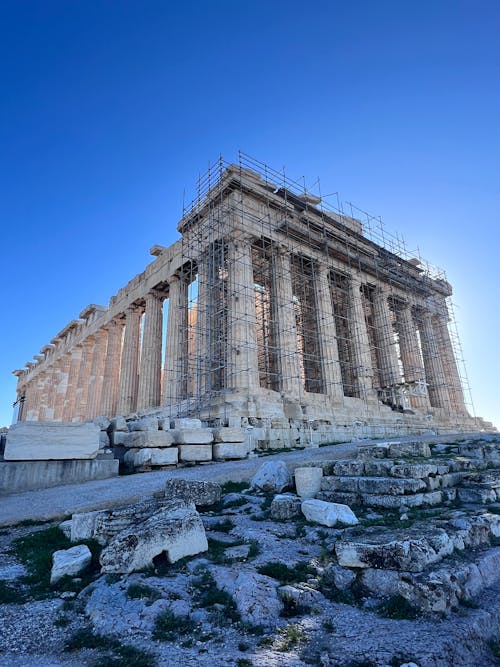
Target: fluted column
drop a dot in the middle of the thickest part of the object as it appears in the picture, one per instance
(96, 371)
(387, 355)
(330, 363)
(32, 399)
(54, 374)
(129, 378)
(82, 390)
(362, 366)
(242, 323)
(449, 363)
(286, 326)
(149, 392)
(203, 328)
(413, 367)
(434, 373)
(74, 369)
(42, 401)
(111, 373)
(62, 387)
(176, 350)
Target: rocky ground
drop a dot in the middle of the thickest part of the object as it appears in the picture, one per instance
(270, 590)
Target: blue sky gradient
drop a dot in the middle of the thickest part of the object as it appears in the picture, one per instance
(110, 110)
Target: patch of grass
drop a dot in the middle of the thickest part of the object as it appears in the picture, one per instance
(126, 656)
(328, 626)
(62, 621)
(224, 526)
(143, 592)
(285, 574)
(237, 502)
(234, 487)
(216, 550)
(397, 607)
(289, 637)
(169, 628)
(10, 594)
(243, 646)
(86, 638)
(293, 608)
(470, 604)
(209, 595)
(495, 648)
(244, 662)
(32, 522)
(35, 552)
(254, 549)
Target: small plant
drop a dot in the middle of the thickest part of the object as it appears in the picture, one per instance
(169, 627)
(209, 595)
(397, 607)
(289, 637)
(143, 592)
(292, 608)
(244, 662)
(86, 638)
(470, 604)
(254, 549)
(224, 526)
(328, 626)
(9, 594)
(237, 502)
(126, 656)
(285, 574)
(495, 648)
(62, 621)
(243, 646)
(234, 487)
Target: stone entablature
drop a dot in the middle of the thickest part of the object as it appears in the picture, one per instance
(109, 361)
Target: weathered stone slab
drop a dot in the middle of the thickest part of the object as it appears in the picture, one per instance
(195, 453)
(198, 492)
(229, 450)
(349, 468)
(51, 441)
(390, 485)
(227, 434)
(69, 562)
(148, 439)
(175, 532)
(144, 424)
(184, 422)
(83, 525)
(139, 458)
(395, 501)
(328, 514)
(413, 470)
(378, 468)
(284, 507)
(272, 477)
(193, 436)
(395, 550)
(402, 449)
(308, 481)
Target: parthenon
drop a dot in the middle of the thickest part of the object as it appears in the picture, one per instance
(281, 309)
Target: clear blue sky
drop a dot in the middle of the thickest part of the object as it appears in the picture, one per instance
(109, 110)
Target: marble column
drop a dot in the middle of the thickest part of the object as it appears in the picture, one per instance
(434, 372)
(74, 369)
(96, 371)
(362, 361)
(82, 385)
(330, 363)
(411, 358)
(242, 320)
(149, 392)
(204, 328)
(42, 401)
(111, 372)
(54, 374)
(286, 326)
(449, 363)
(387, 355)
(129, 371)
(176, 350)
(61, 387)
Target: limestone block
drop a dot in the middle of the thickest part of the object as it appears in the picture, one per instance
(413, 470)
(346, 484)
(390, 485)
(351, 467)
(119, 424)
(148, 439)
(396, 501)
(328, 514)
(379, 451)
(402, 449)
(102, 422)
(300, 594)
(285, 506)
(49, 441)
(144, 424)
(148, 456)
(198, 492)
(339, 497)
(83, 525)
(229, 450)
(308, 481)
(195, 453)
(176, 532)
(341, 577)
(103, 440)
(69, 562)
(382, 583)
(378, 468)
(182, 423)
(255, 595)
(272, 477)
(118, 437)
(192, 436)
(226, 434)
(395, 550)
(65, 526)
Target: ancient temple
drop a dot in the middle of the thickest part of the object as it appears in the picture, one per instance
(272, 307)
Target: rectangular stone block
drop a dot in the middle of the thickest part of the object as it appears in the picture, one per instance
(195, 453)
(229, 450)
(51, 441)
(184, 422)
(193, 436)
(147, 456)
(225, 434)
(148, 439)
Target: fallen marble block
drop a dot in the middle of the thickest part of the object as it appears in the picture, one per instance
(51, 441)
(148, 439)
(328, 514)
(284, 507)
(195, 453)
(151, 457)
(69, 562)
(272, 477)
(200, 493)
(227, 434)
(193, 436)
(186, 422)
(229, 450)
